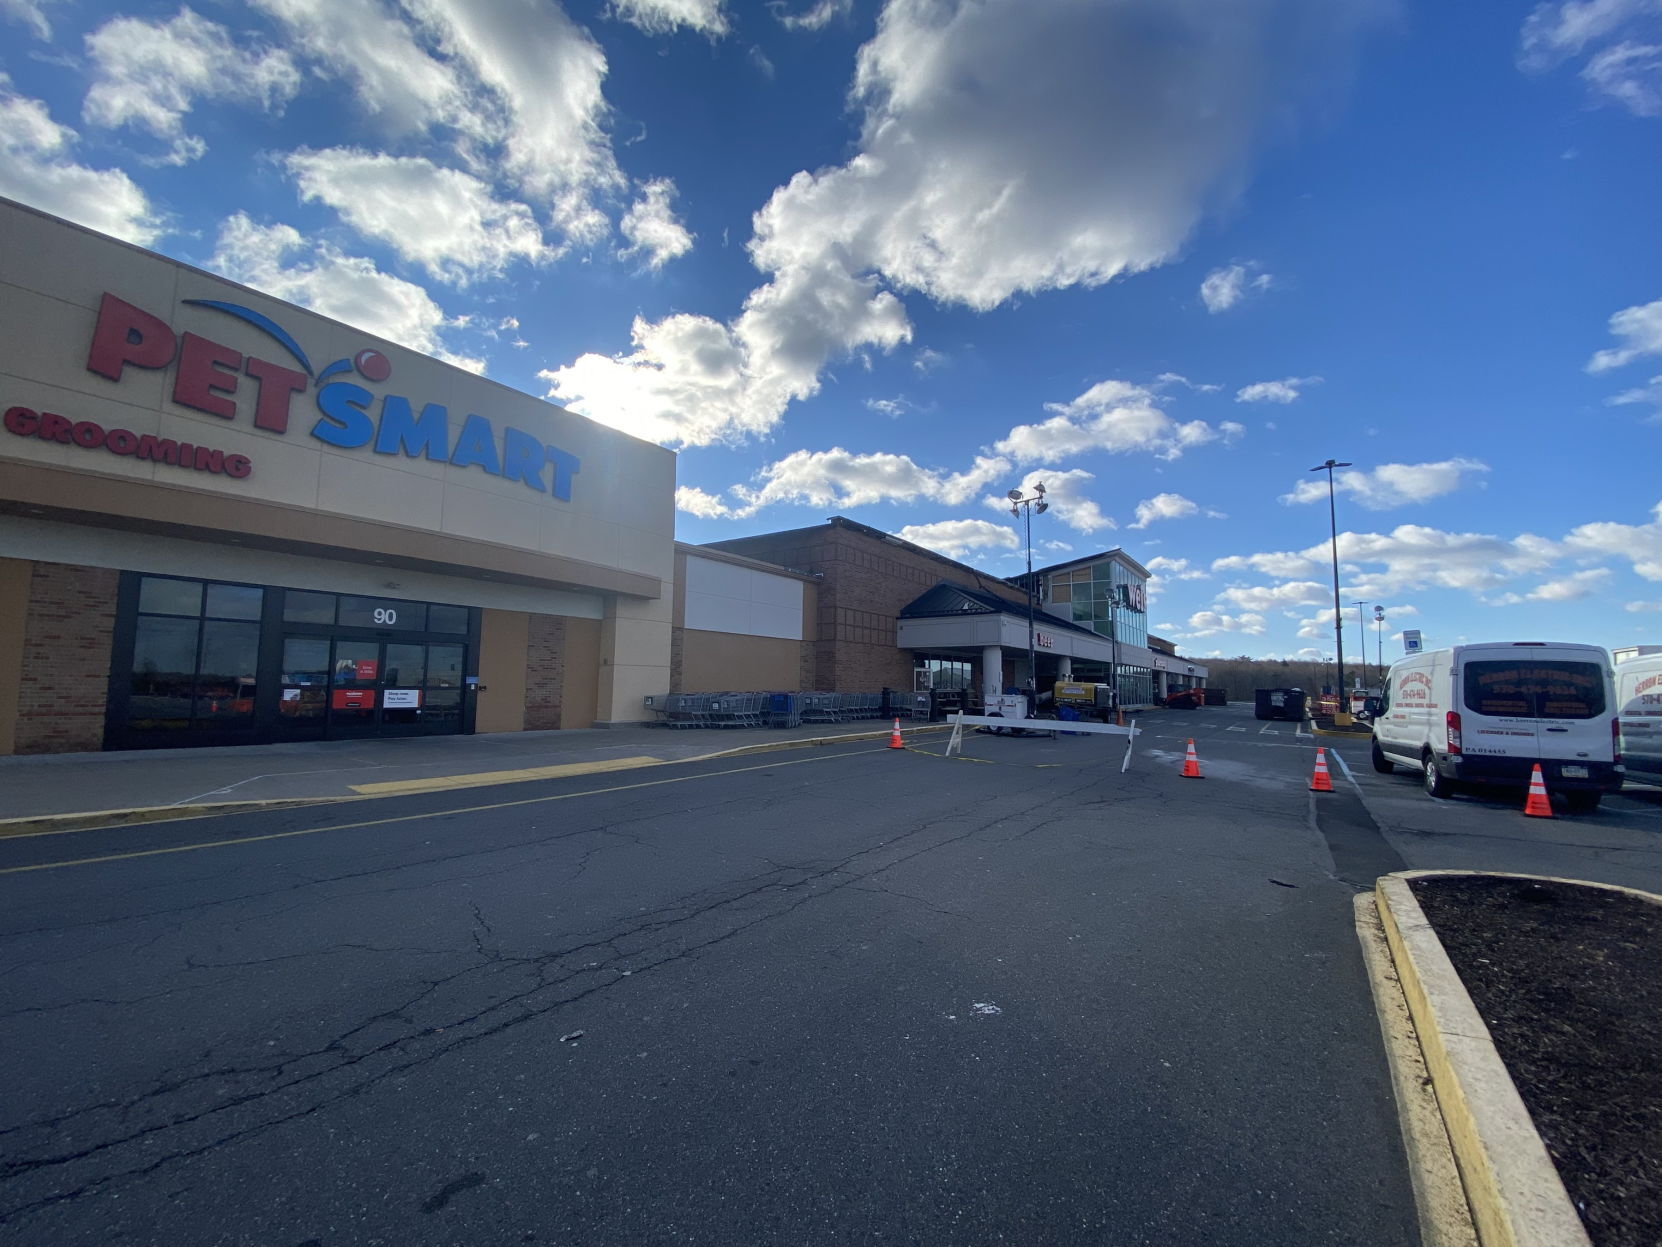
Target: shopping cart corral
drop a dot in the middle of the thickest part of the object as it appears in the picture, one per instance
(678, 710)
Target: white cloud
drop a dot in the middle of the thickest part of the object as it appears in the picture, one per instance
(695, 501)
(651, 228)
(1177, 378)
(279, 261)
(1412, 556)
(957, 538)
(660, 17)
(1115, 416)
(1636, 608)
(1224, 287)
(1641, 328)
(1065, 498)
(1164, 507)
(515, 86)
(1056, 547)
(1274, 597)
(816, 16)
(1650, 393)
(1622, 40)
(30, 13)
(927, 360)
(1571, 588)
(1005, 148)
(1210, 623)
(1286, 390)
(1174, 569)
(842, 479)
(1639, 544)
(35, 168)
(1390, 484)
(150, 74)
(375, 52)
(447, 221)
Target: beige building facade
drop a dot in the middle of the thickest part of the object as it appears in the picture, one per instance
(225, 519)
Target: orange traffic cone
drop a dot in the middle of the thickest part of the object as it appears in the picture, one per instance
(1538, 805)
(1321, 781)
(894, 737)
(1191, 764)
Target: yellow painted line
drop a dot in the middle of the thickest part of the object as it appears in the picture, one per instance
(480, 779)
(410, 818)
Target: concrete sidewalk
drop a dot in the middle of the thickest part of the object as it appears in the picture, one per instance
(32, 787)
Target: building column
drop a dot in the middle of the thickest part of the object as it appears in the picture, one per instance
(1064, 666)
(992, 669)
(634, 658)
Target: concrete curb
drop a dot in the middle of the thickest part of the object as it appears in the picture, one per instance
(96, 820)
(1513, 1189)
(1322, 731)
(1445, 1219)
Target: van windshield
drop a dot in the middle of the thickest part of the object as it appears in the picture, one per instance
(1535, 690)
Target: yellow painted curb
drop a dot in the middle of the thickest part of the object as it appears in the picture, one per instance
(1516, 1197)
(1445, 1219)
(771, 746)
(481, 779)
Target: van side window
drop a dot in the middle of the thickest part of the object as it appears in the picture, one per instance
(1535, 690)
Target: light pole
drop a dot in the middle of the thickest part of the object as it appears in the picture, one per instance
(1362, 638)
(1338, 620)
(1379, 641)
(1023, 504)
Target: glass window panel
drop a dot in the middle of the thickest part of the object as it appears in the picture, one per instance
(234, 602)
(1103, 572)
(447, 619)
(1081, 612)
(441, 709)
(159, 596)
(382, 613)
(164, 673)
(357, 664)
(406, 666)
(444, 666)
(1081, 575)
(225, 686)
(305, 677)
(353, 695)
(302, 607)
(1061, 593)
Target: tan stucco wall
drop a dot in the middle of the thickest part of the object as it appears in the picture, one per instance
(502, 641)
(579, 700)
(14, 609)
(719, 662)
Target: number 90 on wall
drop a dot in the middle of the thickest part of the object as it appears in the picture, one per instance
(385, 615)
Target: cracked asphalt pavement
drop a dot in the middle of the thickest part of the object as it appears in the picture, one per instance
(825, 996)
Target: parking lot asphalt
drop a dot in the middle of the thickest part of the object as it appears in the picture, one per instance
(843, 995)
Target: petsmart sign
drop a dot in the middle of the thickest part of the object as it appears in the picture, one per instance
(334, 404)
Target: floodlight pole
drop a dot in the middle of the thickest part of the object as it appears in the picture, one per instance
(1362, 638)
(1023, 505)
(1338, 618)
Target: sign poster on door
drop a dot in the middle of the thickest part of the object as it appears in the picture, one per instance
(364, 669)
(353, 699)
(401, 699)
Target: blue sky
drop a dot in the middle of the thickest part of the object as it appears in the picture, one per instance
(892, 259)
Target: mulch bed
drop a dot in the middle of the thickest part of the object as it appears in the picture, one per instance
(1569, 980)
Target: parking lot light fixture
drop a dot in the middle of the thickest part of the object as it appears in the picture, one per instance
(1338, 614)
(1025, 504)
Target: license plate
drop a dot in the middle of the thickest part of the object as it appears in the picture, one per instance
(1573, 772)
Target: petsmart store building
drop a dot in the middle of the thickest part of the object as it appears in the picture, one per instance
(225, 519)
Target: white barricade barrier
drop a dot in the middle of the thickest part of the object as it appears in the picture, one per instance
(961, 721)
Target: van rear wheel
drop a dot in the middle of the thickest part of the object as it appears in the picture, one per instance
(1435, 785)
(1381, 763)
(1582, 802)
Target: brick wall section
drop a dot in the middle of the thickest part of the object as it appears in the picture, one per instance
(66, 658)
(545, 672)
(677, 657)
(866, 582)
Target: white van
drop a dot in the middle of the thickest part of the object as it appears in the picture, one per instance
(1485, 714)
(1639, 703)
